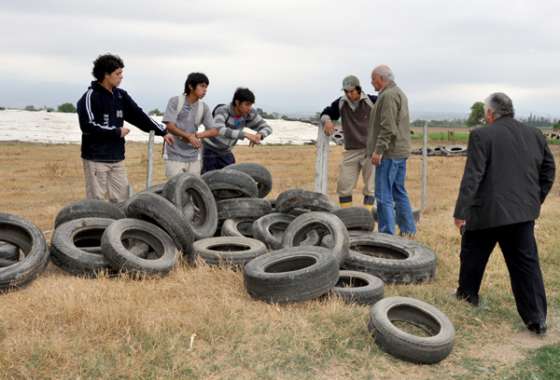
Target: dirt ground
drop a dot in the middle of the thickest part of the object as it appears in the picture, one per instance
(199, 323)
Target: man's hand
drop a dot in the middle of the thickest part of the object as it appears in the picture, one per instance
(168, 138)
(254, 139)
(328, 128)
(195, 142)
(124, 132)
(459, 223)
(376, 159)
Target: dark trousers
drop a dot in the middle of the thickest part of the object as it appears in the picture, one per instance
(519, 248)
(213, 160)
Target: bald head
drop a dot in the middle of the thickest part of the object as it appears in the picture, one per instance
(381, 76)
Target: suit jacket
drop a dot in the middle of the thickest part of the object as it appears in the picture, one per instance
(509, 172)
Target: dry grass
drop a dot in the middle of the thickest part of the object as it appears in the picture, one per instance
(200, 323)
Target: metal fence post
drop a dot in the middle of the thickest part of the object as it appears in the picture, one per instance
(321, 161)
(150, 160)
(424, 188)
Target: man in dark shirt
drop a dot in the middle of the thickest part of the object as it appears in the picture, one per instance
(102, 111)
(508, 174)
(354, 108)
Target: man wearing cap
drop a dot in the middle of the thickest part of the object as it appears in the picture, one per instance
(354, 108)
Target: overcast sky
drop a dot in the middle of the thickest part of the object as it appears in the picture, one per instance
(292, 54)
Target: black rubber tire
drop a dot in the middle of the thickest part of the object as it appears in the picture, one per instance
(88, 208)
(229, 250)
(415, 214)
(303, 199)
(356, 218)
(243, 208)
(259, 173)
(75, 260)
(270, 228)
(291, 274)
(454, 150)
(123, 259)
(408, 261)
(194, 199)
(31, 241)
(230, 183)
(238, 227)
(359, 287)
(325, 224)
(159, 211)
(406, 346)
(8, 251)
(6, 263)
(157, 189)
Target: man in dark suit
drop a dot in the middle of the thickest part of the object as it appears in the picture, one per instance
(508, 174)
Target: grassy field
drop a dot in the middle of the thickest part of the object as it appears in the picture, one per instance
(199, 323)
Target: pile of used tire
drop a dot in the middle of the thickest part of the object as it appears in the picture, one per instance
(295, 248)
(443, 151)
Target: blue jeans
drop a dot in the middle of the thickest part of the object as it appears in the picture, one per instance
(392, 198)
(213, 160)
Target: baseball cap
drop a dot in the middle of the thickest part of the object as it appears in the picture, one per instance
(350, 82)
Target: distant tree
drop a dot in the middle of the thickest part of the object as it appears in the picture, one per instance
(2, 108)
(556, 125)
(66, 108)
(477, 114)
(30, 108)
(49, 109)
(155, 112)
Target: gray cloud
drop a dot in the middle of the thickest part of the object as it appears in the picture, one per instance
(293, 54)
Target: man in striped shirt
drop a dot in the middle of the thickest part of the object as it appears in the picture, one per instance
(233, 122)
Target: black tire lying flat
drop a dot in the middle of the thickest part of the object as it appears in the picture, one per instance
(238, 227)
(270, 228)
(359, 287)
(194, 199)
(243, 208)
(158, 210)
(229, 183)
(391, 339)
(324, 224)
(303, 199)
(392, 258)
(74, 259)
(31, 241)
(122, 259)
(291, 275)
(259, 173)
(356, 218)
(229, 250)
(88, 208)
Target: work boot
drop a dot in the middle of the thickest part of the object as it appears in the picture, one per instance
(345, 202)
(368, 202)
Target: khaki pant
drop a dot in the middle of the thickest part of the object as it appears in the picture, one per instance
(172, 168)
(104, 179)
(353, 162)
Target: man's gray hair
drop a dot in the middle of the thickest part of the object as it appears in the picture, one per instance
(500, 104)
(385, 73)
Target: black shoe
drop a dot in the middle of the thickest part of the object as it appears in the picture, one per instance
(538, 328)
(473, 300)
